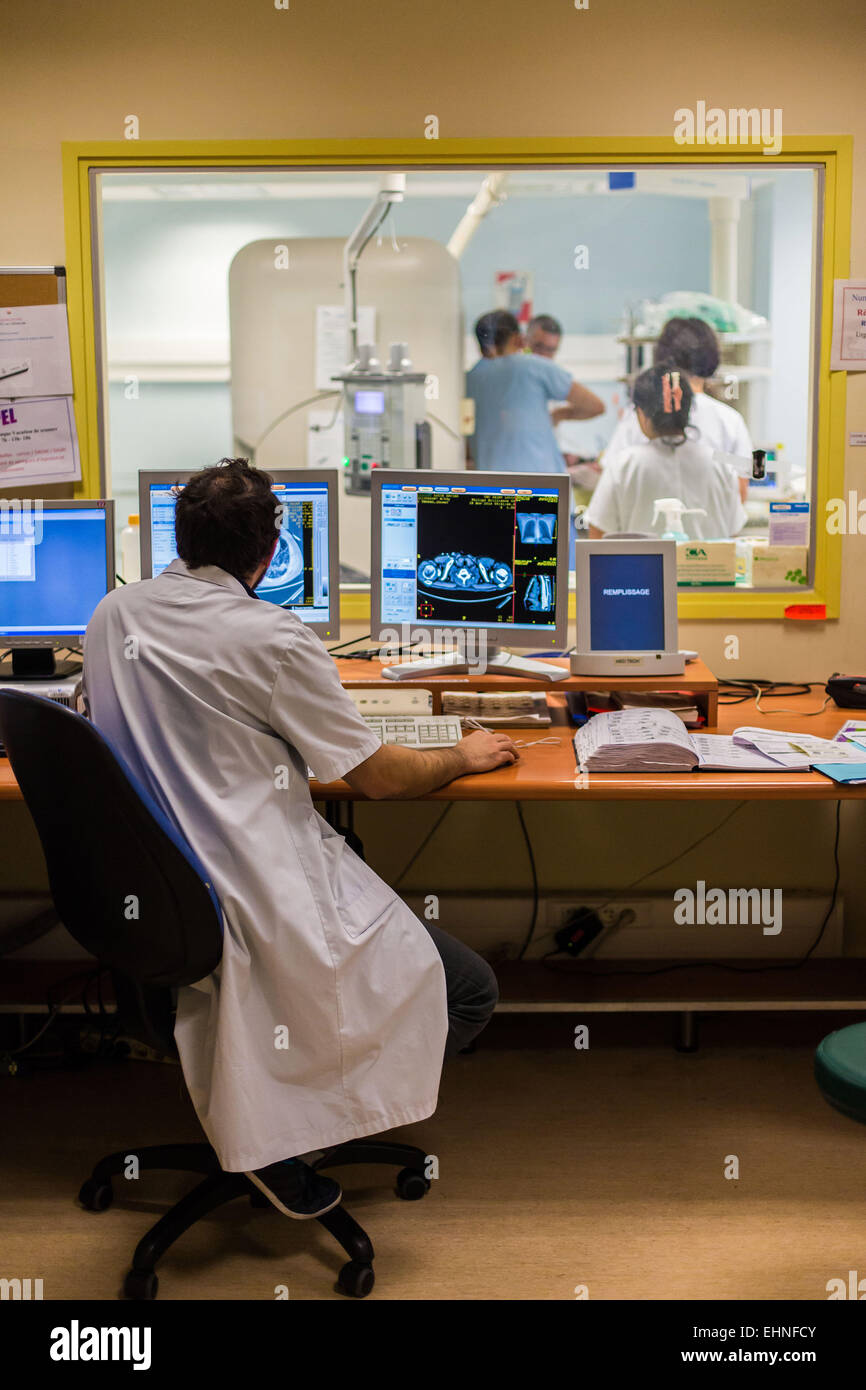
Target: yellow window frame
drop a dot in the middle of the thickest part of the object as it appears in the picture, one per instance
(833, 152)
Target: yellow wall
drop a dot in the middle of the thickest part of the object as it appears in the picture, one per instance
(223, 69)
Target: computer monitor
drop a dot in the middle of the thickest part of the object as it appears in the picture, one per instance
(56, 563)
(471, 552)
(626, 608)
(304, 575)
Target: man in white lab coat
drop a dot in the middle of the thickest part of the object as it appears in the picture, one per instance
(328, 1016)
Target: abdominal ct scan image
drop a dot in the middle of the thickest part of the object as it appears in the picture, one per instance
(284, 581)
(461, 578)
(487, 561)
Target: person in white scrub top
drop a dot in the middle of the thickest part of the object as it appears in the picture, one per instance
(690, 346)
(666, 464)
(328, 1016)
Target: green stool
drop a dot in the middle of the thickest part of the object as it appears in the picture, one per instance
(840, 1070)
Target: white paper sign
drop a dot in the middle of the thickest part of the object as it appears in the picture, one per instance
(34, 351)
(331, 340)
(38, 442)
(848, 352)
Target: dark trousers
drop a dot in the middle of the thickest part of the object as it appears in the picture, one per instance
(471, 986)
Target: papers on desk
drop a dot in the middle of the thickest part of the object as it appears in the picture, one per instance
(647, 740)
(799, 751)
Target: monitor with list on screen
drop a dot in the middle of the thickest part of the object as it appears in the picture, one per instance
(626, 609)
(474, 553)
(56, 563)
(304, 575)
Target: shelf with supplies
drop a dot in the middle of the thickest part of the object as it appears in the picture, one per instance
(698, 681)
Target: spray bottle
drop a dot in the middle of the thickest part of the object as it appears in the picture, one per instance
(674, 510)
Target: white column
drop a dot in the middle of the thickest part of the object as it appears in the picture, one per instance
(724, 216)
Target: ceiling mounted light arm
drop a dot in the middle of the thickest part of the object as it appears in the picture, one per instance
(392, 190)
(489, 195)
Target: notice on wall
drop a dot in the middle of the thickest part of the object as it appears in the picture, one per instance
(331, 349)
(34, 351)
(38, 441)
(848, 350)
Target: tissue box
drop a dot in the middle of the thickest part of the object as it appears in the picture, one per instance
(706, 562)
(780, 567)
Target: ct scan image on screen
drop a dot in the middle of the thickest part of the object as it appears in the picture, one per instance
(298, 575)
(469, 555)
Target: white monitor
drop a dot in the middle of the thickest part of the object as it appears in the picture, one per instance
(626, 609)
(471, 551)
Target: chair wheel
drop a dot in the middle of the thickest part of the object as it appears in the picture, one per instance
(96, 1196)
(412, 1185)
(140, 1285)
(356, 1279)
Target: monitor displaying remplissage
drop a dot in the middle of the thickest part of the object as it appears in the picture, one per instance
(469, 550)
(626, 608)
(304, 573)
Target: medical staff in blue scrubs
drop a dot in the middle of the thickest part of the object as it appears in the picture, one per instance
(512, 391)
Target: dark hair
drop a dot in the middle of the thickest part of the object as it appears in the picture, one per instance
(689, 344)
(546, 323)
(228, 516)
(494, 329)
(665, 397)
(505, 327)
(485, 331)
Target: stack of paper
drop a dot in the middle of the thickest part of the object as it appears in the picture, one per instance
(634, 740)
(654, 740)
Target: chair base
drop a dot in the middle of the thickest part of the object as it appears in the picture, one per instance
(218, 1187)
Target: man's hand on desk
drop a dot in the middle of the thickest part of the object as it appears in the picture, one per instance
(394, 772)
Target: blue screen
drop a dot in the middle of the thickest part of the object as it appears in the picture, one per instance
(52, 571)
(626, 603)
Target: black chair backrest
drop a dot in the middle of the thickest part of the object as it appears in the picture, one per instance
(125, 883)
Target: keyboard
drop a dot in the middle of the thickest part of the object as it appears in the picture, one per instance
(416, 730)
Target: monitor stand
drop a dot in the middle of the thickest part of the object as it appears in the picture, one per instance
(457, 661)
(38, 664)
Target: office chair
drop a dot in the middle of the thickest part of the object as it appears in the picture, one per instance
(840, 1070)
(107, 843)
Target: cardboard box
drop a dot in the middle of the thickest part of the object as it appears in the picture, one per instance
(706, 562)
(780, 567)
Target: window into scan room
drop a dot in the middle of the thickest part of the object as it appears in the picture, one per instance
(226, 333)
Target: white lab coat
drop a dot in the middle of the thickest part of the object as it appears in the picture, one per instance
(711, 421)
(219, 702)
(634, 480)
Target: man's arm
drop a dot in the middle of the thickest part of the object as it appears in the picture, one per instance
(395, 772)
(582, 405)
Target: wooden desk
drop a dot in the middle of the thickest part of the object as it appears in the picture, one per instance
(547, 772)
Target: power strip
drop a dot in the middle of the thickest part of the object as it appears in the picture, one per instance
(375, 700)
